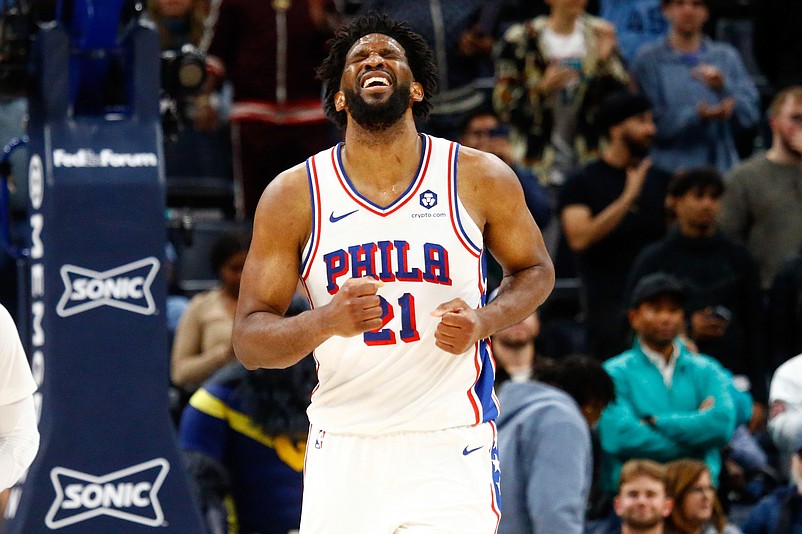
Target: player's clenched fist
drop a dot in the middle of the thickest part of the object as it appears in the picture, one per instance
(459, 326)
(356, 308)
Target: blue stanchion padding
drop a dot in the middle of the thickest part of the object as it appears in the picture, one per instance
(108, 460)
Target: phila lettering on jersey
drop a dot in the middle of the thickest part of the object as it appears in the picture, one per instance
(427, 250)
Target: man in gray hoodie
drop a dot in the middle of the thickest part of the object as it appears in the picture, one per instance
(545, 446)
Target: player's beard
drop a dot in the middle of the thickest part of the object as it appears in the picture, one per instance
(381, 115)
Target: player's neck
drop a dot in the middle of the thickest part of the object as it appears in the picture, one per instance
(779, 155)
(382, 164)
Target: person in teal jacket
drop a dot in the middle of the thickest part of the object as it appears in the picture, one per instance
(670, 402)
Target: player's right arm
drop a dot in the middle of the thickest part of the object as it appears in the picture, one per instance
(263, 337)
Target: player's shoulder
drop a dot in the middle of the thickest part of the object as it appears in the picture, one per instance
(287, 191)
(480, 169)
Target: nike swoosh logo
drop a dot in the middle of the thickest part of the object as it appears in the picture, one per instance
(466, 451)
(333, 218)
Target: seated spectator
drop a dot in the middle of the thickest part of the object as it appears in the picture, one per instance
(202, 343)
(552, 73)
(699, 87)
(244, 434)
(785, 412)
(482, 130)
(514, 350)
(544, 435)
(642, 502)
(780, 512)
(670, 403)
(609, 211)
(696, 507)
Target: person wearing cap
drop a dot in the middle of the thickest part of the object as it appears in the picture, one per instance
(785, 413)
(670, 403)
(781, 511)
(700, 89)
(609, 211)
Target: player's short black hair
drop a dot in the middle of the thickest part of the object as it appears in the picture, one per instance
(702, 177)
(419, 57)
(581, 376)
(226, 246)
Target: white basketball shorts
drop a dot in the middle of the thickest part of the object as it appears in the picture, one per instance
(445, 481)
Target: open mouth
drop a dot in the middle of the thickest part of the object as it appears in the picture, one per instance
(375, 80)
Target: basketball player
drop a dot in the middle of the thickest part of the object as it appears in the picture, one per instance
(19, 437)
(388, 233)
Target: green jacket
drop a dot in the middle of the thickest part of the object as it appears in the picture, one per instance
(680, 429)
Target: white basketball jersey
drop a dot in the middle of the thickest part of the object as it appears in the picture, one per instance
(427, 251)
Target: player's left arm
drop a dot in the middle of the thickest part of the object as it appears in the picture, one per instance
(493, 197)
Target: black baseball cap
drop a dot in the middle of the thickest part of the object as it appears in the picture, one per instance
(655, 285)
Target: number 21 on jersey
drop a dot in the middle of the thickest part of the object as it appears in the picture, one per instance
(386, 336)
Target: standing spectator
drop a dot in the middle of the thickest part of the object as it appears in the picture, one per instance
(544, 435)
(636, 22)
(696, 507)
(462, 44)
(721, 278)
(670, 403)
(762, 206)
(642, 502)
(785, 416)
(781, 511)
(202, 342)
(609, 212)
(276, 115)
(551, 74)
(699, 88)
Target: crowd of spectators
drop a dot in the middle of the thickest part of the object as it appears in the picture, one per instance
(662, 156)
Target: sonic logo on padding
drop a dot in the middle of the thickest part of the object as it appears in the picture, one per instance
(428, 199)
(131, 494)
(126, 287)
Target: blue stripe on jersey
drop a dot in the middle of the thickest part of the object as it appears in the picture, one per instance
(455, 197)
(402, 197)
(484, 385)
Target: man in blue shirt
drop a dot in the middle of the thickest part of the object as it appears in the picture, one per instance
(699, 88)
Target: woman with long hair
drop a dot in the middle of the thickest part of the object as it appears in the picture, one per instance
(696, 506)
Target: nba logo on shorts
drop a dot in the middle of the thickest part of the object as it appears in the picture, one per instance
(319, 440)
